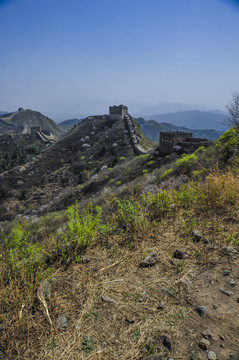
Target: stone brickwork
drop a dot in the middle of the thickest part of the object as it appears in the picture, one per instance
(180, 141)
(169, 139)
(118, 112)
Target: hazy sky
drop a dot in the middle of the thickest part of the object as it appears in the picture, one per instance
(79, 56)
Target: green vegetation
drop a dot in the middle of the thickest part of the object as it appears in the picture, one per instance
(88, 344)
(119, 227)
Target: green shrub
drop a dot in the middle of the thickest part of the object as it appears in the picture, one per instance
(129, 215)
(166, 174)
(145, 171)
(82, 226)
(158, 204)
(185, 196)
(150, 163)
(21, 256)
(186, 163)
(200, 150)
(118, 183)
(88, 344)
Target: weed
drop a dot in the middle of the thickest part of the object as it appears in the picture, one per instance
(186, 163)
(166, 174)
(21, 256)
(144, 171)
(82, 227)
(234, 238)
(129, 215)
(136, 333)
(148, 348)
(88, 344)
(158, 204)
(194, 356)
(90, 314)
(52, 344)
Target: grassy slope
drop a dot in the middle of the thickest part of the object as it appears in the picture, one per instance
(148, 219)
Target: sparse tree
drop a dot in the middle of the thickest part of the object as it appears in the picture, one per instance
(233, 109)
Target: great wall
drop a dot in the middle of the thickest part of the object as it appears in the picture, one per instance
(120, 113)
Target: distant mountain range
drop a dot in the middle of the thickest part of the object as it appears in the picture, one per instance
(193, 119)
(14, 122)
(70, 122)
(152, 129)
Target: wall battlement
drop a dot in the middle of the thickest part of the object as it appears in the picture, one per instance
(176, 134)
(118, 112)
(171, 141)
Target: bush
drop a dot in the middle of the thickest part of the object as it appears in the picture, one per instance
(21, 256)
(82, 227)
(129, 215)
(166, 174)
(186, 163)
(158, 204)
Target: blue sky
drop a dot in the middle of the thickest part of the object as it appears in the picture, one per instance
(79, 56)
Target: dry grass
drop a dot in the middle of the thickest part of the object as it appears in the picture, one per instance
(26, 332)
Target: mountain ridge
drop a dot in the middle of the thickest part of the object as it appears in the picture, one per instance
(194, 119)
(15, 122)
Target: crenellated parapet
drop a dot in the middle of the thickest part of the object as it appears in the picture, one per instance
(118, 112)
(171, 141)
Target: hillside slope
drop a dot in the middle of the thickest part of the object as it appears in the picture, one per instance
(53, 177)
(152, 129)
(149, 273)
(70, 122)
(15, 122)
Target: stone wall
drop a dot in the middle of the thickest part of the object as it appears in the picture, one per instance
(169, 139)
(179, 142)
(118, 112)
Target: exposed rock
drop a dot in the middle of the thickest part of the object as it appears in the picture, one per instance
(201, 310)
(180, 254)
(61, 322)
(166, 341)
(108, 300)
(84, 259)
(211, 355)
(161, 305)
(229, 250)
(186, 282)
(197, 236)
(130, 318)
(150, 260)
(204, 344)
(47, 289)
(226, 292)
(208, 334)
(232, 282)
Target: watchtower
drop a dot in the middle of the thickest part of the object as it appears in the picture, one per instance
(118, 112)
(169, 139)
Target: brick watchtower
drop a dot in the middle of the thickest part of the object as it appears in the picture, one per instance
(118, 112)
